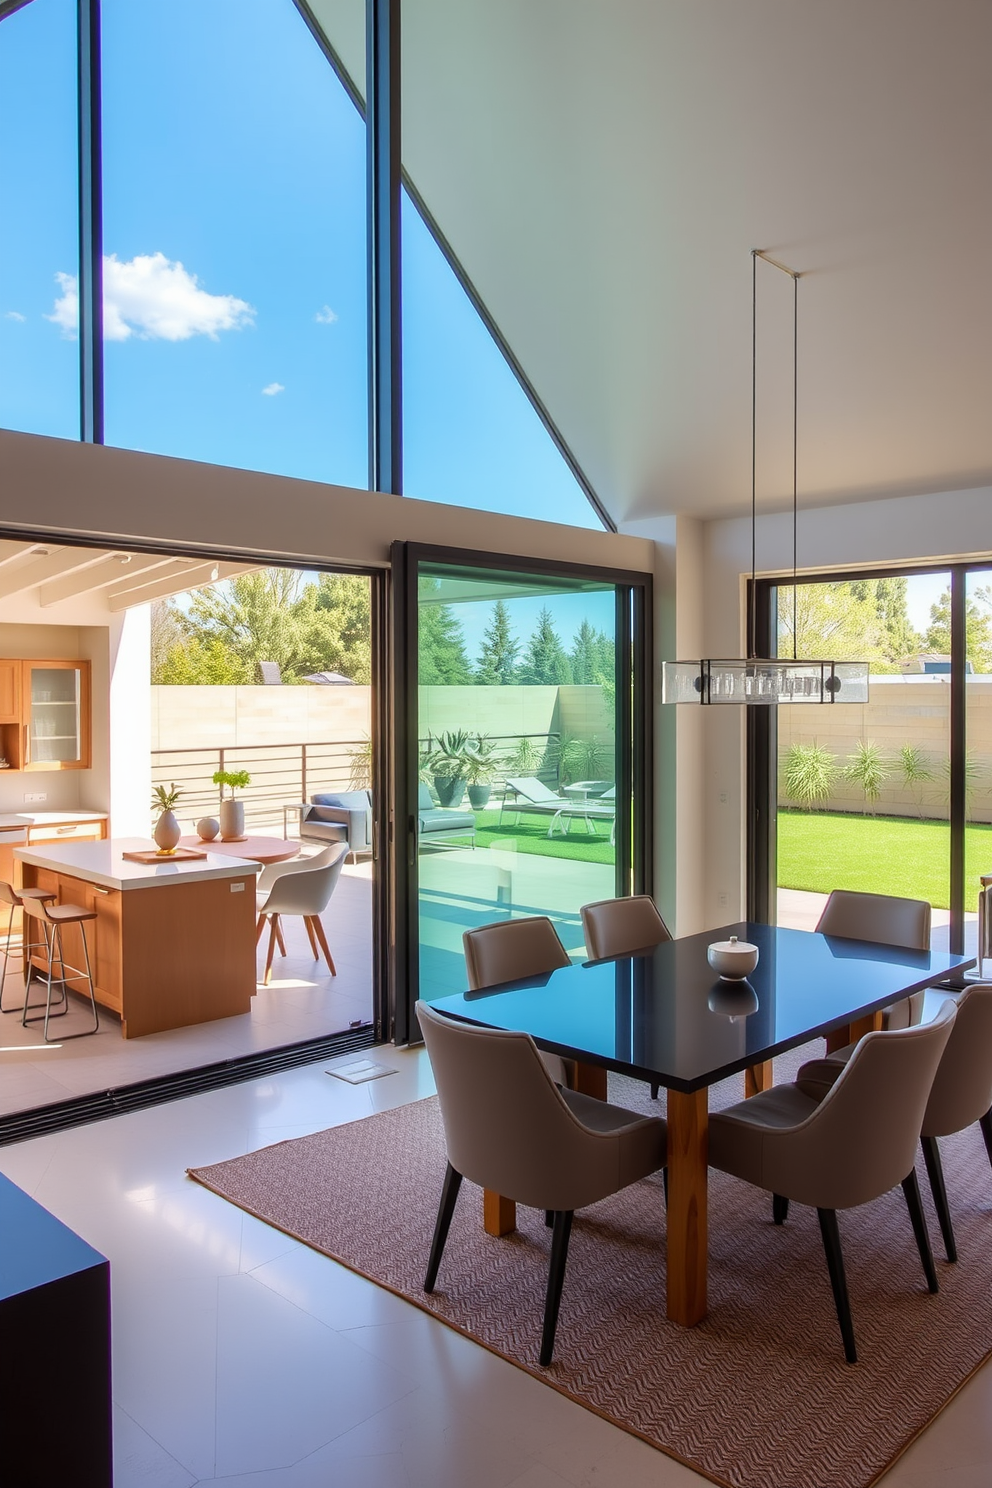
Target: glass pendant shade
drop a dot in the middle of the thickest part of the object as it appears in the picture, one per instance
(764, 680)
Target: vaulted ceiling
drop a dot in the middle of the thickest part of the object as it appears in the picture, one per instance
(602, 171)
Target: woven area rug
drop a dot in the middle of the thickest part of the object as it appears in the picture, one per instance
(758, 1395)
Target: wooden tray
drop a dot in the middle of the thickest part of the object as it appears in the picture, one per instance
(179, 854)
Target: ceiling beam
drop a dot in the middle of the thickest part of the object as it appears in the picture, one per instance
(10, 550)
(198, 577)
(16, 578)
(110, 571)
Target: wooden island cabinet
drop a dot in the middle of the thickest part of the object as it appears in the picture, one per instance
(172, 943)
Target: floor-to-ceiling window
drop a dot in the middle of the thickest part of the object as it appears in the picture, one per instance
(39, 357)
(234, 241)
(526, 750)
(891, 796)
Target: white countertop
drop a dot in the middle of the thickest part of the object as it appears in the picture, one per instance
(102, 863)
(12, 819)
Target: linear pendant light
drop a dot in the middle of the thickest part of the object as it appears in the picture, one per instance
(764, 680)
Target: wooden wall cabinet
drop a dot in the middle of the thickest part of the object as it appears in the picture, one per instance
(45, 715)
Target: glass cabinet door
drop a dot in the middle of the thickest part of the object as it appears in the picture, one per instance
(56, 725)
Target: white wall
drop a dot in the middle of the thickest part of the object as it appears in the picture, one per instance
(129, 722)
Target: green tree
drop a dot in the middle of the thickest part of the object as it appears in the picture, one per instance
(498, 653)
(199, 661)
(851, 620)
(545, 663)
(442, 658)
(978, 628)
(253, 615)
(592, 655)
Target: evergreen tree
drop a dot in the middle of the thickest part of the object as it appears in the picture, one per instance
(442, 658)
(498, 653)
(585, 654)
(545, 663)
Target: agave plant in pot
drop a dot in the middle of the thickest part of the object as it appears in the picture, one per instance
(232, 811)
(448, 763)
(480, 771)
(167, 829)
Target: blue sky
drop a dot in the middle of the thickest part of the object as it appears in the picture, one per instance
(234, 236)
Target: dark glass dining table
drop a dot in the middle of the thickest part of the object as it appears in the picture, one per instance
(663, 1015)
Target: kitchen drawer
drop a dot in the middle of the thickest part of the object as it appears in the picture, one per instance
(69, 832)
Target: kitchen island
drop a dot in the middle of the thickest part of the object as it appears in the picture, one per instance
(173, 943)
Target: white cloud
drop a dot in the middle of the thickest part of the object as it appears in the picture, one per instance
(326, 316)
(151, 297)
(272, 389)
(15, 315)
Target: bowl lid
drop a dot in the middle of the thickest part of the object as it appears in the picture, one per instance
(725, 946)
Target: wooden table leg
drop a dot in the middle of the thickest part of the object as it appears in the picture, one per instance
(499, 1215)
(759, 1077)
(688, 1120)
(590, 1079)
(849, 1033)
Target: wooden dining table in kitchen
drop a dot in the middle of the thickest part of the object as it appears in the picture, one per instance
(664, 1016)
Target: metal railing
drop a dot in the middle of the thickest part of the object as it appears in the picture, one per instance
(283, 773)
(280, 773)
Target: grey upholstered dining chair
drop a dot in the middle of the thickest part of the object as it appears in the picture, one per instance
(621, 927)
(303, 889)
(845, 1149)
(509, 950)
(509, 1128)
(887, 920)
(961, 1093)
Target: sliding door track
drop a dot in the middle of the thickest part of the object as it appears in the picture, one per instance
(20, 1126)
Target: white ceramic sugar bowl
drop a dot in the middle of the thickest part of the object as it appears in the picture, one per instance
(732, 959)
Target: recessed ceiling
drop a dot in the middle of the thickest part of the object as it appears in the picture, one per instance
(602, 171)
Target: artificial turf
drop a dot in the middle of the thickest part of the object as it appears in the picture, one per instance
(824, 850)
(530, 835)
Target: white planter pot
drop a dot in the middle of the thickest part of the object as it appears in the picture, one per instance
(232, 820)
(167, 831)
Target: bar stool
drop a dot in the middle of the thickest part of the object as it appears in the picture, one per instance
(51, 918)
(15, 898)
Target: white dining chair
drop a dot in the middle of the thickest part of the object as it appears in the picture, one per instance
(304, 889)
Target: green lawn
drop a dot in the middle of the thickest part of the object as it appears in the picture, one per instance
(531, 836)
(820, 851)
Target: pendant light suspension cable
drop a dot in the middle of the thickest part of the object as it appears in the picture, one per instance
(757, 253)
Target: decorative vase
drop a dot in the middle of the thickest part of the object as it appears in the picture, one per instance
(232, 820)
(167, 832)
(207, 829)
(478, 796)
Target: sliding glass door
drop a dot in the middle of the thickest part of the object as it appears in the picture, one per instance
(892, 796)
(521, 749)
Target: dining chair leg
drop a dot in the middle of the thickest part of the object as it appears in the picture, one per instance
(780, 1209)
(260, 927)
(313, 943)
(655, 1087)
(318, 930)
(549, 1218)
(835, 1265)
(985, 1122)
(911, 1189)
(556, 1277)
(271, 951)
(935, 1172)
(446, 1208)
(279, 940)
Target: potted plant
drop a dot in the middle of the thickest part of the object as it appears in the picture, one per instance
(167, 829)
(232, 811)
(480, 768)
(448, 763)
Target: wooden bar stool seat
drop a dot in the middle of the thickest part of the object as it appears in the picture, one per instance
(50, 919)
(14, 898)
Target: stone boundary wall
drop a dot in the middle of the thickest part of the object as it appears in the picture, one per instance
(901, 710)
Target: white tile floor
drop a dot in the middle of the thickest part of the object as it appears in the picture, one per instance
(303, 1001)
(241, 1358)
